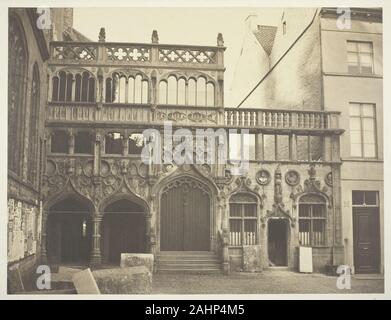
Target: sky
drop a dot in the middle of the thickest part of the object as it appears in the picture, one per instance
(194, 26)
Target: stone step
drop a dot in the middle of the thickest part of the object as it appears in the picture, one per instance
(190, 271)
(187, 253)
(188, 262)
(182, 264)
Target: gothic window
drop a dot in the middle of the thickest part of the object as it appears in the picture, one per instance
(172, 90)
(312, 220)
(192, 91)
(17, 69)
(77, 88)
(136, 143)
(83, 142)
(242, 220)
(182, 91)
(109, 90)
(123, 89)
(137, 89)
(163, 92)
(201, 91)
(144, 91)
(210, 94)
(33, 126)
(113, 143)
(197, 92)
(59, 142)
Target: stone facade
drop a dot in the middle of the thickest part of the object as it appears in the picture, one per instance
(100, 94)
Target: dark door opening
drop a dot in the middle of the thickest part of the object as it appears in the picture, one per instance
(69, 236)
(277, 242)
(123, 230)
(366, 240)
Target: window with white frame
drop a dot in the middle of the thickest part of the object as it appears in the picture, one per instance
(360, 57)
(362, 130)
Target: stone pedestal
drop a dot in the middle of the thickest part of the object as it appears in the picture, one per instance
(137, 260)
(134, 280)
(252, 258)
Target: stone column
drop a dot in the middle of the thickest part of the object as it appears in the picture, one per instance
(259, 146)
(96, 257)
(293, 146)
(338, 249)
(150, 234)
(71, 143)
(44, 258)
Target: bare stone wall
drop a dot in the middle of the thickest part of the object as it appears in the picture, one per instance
(295, 83)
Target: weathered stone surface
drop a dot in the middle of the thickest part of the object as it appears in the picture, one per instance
(85, 283)
(15, 283)
(132, 280)
(136, 260)
(252, 260)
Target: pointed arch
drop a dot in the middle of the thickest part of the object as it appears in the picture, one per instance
(17, 76)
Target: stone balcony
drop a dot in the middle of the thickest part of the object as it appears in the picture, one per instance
(143, 115)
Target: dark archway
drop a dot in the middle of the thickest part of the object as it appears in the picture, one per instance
(69, 234)
(278, 242)
(123, 230)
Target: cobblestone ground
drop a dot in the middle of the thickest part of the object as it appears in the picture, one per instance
(258, 283)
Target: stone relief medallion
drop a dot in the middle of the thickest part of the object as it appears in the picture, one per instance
(104, 169)
(88, 168)
(263, 177)
(292, 178)
(329, 179)
(50, 168)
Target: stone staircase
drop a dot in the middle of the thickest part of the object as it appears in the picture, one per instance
(205, 262)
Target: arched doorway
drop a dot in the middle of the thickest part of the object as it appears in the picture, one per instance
(185, 216)
(123, 230)
(69, 234)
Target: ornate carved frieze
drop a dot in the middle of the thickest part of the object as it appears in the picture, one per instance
(278, 208)
(77, 174)
(313, 185)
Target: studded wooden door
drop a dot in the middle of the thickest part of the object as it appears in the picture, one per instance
(185, 217)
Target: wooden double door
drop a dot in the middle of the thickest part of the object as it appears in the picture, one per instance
(366, 236)
(185, 217)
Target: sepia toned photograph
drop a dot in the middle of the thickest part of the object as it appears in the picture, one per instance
(195, 150)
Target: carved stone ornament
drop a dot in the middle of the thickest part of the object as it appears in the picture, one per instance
(329, 179)
(263, 177)
(292, 178)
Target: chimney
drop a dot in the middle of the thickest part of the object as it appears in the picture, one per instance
(252, 22)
